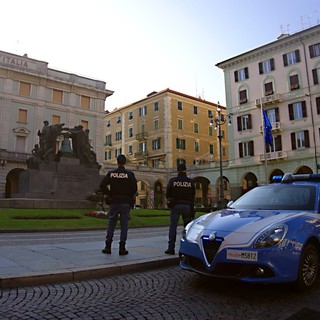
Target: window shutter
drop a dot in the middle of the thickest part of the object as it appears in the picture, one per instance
(278, 143)
(291, 114)
(277, 114)
(246, 72)
(251, 150)
(318, 104)
(297, 53)
(239, 123)
(285, 60)
(304, 109)
(293, 141)
(268, 87)
(311, 51)
(260, 68)
(294, 82)
(272, 64)
(236, 79)
(243, 96)
(306, 139)
(315, 76)
(249, 121)
(240, 150)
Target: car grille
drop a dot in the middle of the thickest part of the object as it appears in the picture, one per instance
(233, 270)
(211, 247)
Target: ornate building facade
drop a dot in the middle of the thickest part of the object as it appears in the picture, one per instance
(283, 78)
(31, 93)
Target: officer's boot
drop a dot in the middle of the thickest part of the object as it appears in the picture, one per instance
(170, 249)
(122, 248)
(107, 248)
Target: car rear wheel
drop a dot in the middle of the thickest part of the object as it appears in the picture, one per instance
(309, 267)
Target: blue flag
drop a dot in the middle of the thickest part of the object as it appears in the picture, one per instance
(267, 129)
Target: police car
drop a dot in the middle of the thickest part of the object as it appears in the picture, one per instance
(271, 234)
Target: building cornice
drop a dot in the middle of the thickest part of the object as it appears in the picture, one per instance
(155, 95)
(280, 44)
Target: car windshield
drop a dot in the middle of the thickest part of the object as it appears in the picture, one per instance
(278, 197)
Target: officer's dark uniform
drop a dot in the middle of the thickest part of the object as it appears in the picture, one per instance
(180, 196)
(121, 197)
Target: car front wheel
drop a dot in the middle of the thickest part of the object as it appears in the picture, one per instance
(308, 268)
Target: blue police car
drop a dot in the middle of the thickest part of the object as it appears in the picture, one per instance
(271, 234)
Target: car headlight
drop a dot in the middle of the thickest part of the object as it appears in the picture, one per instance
(271, 237)
(185, 230)
(192, 231)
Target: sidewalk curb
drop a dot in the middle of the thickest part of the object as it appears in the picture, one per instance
(87, 273)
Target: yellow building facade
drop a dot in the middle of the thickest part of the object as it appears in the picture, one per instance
(164, 129)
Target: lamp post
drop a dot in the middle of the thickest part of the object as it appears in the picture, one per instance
(219, 121)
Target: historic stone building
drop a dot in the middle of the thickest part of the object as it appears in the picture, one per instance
(162, 130)
(31, 93)
(283, 78)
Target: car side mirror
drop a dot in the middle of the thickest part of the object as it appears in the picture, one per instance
(230, 203)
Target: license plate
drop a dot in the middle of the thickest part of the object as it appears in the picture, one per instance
(242, 255)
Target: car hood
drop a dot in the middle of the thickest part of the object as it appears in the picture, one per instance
(239, 226)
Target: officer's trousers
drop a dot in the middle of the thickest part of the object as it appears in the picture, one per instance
(123, 211)
(180, 209)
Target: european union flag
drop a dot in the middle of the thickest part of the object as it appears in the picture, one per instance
(267, 129)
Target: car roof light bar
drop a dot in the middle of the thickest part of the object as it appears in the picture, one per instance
(277, 178)
(289, 177)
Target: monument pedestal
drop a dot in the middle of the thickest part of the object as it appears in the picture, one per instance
(67, 180)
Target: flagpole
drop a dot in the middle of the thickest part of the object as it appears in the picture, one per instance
(264, 144)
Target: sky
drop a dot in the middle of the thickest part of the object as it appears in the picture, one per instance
(141, 46)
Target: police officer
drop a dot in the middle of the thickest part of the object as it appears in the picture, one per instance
(121, 194)
(180, 195)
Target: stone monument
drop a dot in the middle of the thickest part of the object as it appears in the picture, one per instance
(65, 178)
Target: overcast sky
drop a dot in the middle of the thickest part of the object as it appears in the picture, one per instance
(140, 46)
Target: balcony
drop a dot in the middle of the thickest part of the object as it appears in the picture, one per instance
(267, 100)
(108, 145)
(14, 156)
(142, 136)
(276, 127)
(141, 154)
(276, 155)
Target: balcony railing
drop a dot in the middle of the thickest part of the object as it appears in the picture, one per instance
(14, 156)
(142, 136)
(273, 98)
(276, 126)
(276, 155)
(141, 154)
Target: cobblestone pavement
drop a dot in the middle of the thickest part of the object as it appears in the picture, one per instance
(168, 293)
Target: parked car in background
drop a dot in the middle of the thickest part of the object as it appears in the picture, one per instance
(271, 234)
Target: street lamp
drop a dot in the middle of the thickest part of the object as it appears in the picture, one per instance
(219, 121)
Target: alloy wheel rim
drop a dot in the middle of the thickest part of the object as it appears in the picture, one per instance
(310, 268)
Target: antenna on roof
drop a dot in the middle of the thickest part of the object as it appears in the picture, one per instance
(301, 21)
(312, 15)
(281, 29)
